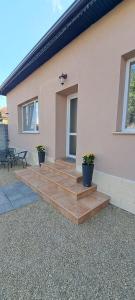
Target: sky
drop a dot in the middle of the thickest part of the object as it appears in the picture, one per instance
(22, 24)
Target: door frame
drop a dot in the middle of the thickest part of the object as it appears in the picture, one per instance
(69, 98)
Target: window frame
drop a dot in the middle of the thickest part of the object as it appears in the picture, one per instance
(125, 103)
(24, 105)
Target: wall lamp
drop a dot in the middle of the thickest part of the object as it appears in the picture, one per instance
(62, 78)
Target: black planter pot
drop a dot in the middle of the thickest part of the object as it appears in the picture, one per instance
(87, 174)
(41, 157)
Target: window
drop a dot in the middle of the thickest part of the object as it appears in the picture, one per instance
(128, 123)
(30, 120)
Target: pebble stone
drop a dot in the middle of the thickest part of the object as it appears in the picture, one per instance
(43, 256)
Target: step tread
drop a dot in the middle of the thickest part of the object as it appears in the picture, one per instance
(65, 163)
(76, 211)
(62, 169)
(64, 181)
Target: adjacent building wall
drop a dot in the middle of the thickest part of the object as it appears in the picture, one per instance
(93, 61)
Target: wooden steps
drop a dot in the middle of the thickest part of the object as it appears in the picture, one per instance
(63, 191)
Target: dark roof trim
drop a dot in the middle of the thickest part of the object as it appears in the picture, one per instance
(80, 15)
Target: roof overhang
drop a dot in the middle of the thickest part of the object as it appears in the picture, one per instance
(80, 15)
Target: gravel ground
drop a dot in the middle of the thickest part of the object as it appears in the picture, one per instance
(8, 177)
(44, 257)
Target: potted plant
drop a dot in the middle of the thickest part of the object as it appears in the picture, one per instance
(41, 154)
(87, 168)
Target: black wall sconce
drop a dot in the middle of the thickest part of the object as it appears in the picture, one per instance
(62, 78)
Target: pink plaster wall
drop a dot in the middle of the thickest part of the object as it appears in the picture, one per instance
(93, 62)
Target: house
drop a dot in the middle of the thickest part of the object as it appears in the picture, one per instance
(3, 115)
(75, 93)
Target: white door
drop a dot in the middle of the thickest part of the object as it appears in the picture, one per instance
(71, 126)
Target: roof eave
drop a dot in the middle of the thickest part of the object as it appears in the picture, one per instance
(79, 16)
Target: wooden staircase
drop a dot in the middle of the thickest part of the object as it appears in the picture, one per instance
(61, 185)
